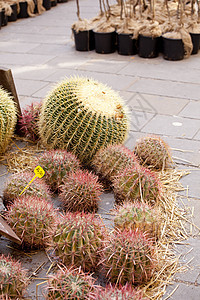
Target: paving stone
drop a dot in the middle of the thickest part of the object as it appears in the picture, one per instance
(163, 71)
(24, 59)
(197, 136)
(192, 181)
(191, 110)
(26, 100)
(28, 87)
(16, 47)
(36, 72)
(166, 88)
(102, 65)
(43, 91)
(183, 291)
(173, 126)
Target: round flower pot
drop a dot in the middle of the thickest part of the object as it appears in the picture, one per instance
(0, 20)
(84, 40)
(46, 4)
(105, 42)
(23, 10)
(62, 1)
(173, 49)
(53, 3)
(4, 18)
(126, 45)
(13, 16)
(195, 41)
(148, 46)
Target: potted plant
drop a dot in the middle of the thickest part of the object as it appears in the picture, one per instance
(83, 34)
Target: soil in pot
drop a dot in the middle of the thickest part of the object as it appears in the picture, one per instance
(47, 4)
(23, 10)
(126, 45)
(13, 16)
(4, 18)
(105, 42)
(195, 41)
(148, 46)
(84, 40)
(173, 48)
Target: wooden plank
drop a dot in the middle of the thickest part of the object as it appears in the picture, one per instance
(7, 231)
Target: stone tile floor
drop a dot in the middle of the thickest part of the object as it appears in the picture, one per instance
(163, 96)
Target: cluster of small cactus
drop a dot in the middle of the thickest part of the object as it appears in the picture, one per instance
(153, 152)
(126, 292)
(138, 215)
(82, 115)
(57, 164)
(17, 182)
(8, 119)
(109, 161)
(80, 192)
(77, 240)
(128, 257)
(29, 121)
(13, 278)
(137, 183)
(71, 284)
(32, 219)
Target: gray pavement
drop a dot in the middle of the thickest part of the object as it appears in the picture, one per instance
(163, 96)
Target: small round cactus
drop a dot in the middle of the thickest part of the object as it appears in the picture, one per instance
(29, 121)
(153, 152)
(82, 115)
(8, 119)
(32, 218)
(137, 183)
(57, 164)
(109, 161)
(138, 215)
(13, 278)
(80, 192)
(77, 240)
(17, 182)
(128, 257)
(126, 292)
(70, 284)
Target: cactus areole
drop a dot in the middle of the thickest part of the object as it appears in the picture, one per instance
(82, 115)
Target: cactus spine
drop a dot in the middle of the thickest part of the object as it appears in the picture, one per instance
(8, 119)
(82, 115)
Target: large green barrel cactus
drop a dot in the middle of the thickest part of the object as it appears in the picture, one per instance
(82, 115)
(8, 118)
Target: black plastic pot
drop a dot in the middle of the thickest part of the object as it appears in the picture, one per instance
(84, 40)
(0, 20)
(4, 18)
(105, 42)
(23, 10)
(173, 49)
(126, 45)
(62, 1)
(148, 46)
(46, 4)
(13, 16)
(53, 3)
(195, 41)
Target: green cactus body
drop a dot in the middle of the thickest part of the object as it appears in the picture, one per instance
(57, 164)
(77, 240)
(13, 279)
(109, 161)
(128, 257)
(153, 152)
(8, 119)
(138, 215)
(80, 192)
(17, 182)
(137, 183)
(71, 284)
(32, 218)
(82, 115)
